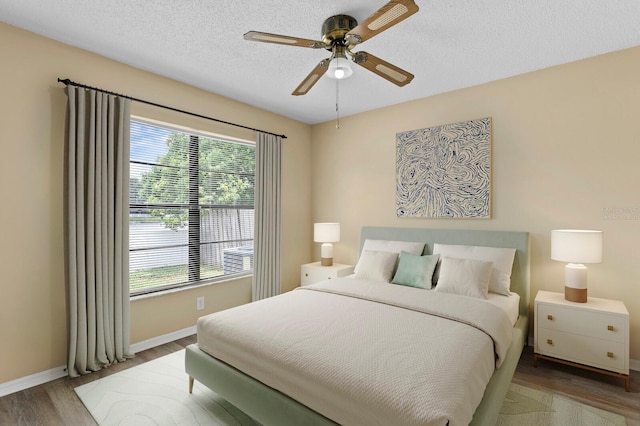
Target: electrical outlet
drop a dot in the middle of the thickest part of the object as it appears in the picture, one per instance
(200, 303)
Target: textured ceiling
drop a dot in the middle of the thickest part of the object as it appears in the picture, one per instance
(448, 44)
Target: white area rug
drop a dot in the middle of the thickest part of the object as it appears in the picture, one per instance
(157, 393)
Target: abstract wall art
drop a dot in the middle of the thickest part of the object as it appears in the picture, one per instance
(445, 171)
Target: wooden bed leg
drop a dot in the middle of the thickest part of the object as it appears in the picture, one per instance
(191, 380)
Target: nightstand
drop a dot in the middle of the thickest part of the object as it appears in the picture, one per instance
(592, 335)
(311, 273)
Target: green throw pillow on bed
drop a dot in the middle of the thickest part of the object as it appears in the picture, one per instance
(414, 270)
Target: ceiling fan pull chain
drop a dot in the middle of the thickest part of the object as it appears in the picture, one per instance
(337, 104)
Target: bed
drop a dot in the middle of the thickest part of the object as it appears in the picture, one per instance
(314, 383)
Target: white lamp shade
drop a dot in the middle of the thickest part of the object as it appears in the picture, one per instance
(326, 232)
(339, 68)
(576, 246)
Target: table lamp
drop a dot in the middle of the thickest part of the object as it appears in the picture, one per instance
(576, 246)
(326, 233)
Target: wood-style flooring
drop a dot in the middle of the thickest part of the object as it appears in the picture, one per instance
(55, 403)
(597, 390)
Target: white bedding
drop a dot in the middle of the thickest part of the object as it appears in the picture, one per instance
(509, 304)
(344, 349)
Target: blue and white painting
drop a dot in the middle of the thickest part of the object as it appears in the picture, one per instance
(445, 171)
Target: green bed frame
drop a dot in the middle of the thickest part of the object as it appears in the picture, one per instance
(271, 407)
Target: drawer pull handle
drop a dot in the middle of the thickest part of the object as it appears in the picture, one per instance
(550, 317)
(610, 328)
(610, 355)
(306, 275)
(549, 342)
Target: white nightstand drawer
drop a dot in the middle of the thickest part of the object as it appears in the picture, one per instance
(312, 273)
(599, 353)
(589, 323)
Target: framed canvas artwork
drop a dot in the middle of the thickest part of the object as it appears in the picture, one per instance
(445, 171)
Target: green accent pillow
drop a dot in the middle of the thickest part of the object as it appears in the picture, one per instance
(415, 271)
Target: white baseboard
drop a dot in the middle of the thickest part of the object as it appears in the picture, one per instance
(32, 380)
(58, 372)
(161, 340)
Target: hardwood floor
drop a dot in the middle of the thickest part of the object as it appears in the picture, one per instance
(597, 390)
(55, 403)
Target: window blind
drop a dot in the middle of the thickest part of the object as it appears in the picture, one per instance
(191, 207)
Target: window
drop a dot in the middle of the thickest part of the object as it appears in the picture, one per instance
(190, 207)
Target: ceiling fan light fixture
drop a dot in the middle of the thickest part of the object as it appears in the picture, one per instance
(340, 34)
(339, 68)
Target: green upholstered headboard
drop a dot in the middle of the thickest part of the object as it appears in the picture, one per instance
(511, 239)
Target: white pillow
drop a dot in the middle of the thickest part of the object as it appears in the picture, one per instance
(465, 277)
(390, 246)
(502, 259)
(394, 246)
(376, 265)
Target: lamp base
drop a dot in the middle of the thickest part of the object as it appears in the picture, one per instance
(326, 261)
(578, 295)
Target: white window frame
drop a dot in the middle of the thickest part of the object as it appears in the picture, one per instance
(231, 255)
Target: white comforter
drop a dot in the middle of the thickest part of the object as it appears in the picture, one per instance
(364, 353)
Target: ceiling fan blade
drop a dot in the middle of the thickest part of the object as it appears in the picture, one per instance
(312, 78)
(282, 39)
(384, 69)
(387, 16)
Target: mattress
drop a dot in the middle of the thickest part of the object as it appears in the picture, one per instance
(366, 353)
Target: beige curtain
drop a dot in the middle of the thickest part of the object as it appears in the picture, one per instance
(97, 229)
(266, 264)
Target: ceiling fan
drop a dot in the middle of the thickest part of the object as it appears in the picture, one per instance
(340, 34)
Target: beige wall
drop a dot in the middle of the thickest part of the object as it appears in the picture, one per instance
(33, 333)
(566, 145)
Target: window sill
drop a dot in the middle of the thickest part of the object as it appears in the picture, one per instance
(189, 287)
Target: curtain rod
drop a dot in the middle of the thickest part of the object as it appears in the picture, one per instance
(68, 82)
